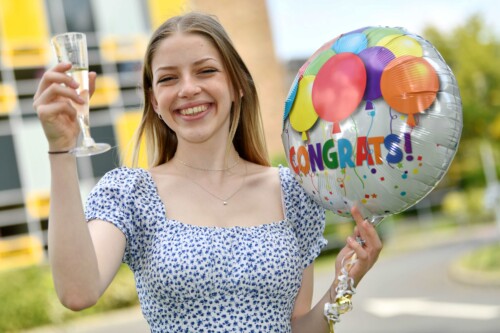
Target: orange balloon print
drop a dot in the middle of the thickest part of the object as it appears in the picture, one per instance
(409, 85)
(302, 115)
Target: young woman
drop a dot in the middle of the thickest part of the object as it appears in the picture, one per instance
(218, 240)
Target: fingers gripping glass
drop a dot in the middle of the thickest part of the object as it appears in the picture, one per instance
(72, 47)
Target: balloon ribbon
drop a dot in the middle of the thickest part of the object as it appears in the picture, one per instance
(344, 291)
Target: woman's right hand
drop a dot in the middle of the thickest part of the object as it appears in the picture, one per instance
(52, 102)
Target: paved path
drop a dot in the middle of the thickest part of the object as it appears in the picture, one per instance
(414, 292)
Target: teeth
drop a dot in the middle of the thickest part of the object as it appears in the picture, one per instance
(192, 111)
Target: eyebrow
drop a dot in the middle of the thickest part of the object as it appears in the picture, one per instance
(197, 62)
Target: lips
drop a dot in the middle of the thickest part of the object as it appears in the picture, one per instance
(192, 111)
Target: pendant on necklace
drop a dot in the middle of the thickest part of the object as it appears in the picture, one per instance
(225, 203)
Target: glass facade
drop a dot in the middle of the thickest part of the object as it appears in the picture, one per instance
(117, 32)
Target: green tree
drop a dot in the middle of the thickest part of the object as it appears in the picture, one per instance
(472, 51)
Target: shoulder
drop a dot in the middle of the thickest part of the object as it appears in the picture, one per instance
(125, 173)
(123, 177)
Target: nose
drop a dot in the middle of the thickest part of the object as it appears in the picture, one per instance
(189, 87)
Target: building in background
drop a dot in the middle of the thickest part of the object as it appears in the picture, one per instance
(117, 32)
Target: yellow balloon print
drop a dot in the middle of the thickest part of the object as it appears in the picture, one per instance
(401, 45)
(302, 115)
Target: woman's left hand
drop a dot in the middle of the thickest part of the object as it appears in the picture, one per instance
(367, 253)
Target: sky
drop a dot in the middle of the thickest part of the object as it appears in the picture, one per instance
(300, 27)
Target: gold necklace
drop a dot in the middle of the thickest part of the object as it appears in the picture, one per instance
(226, 200)
(206, 169)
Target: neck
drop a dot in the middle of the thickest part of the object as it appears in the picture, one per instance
(206, 158)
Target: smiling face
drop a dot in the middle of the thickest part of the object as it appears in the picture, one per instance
(190, 88)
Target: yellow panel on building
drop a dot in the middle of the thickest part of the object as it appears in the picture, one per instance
(8, 98)
(126, 125)
(106, 91)
(20, 251)
(161, 10)
(38, 204)
(24, 33)
(121, 48)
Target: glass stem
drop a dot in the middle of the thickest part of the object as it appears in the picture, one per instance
(83, 121)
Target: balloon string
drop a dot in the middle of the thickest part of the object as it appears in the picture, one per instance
(371, 114)
(344, 291)
(316, 189)
(355, 149)
(392, 117)
(341, 180)
(342, 185)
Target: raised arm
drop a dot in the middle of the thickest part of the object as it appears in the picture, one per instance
(83, 257)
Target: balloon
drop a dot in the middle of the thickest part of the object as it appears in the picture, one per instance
(401, 117)
(375, 59)
(353, 42)
(409, 85)
(302, 115)
(375, 34)
(401, 45)
(318, 62)
(291, 97)
(328, 45)
(339, 87)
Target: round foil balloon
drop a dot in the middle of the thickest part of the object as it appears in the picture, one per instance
(373, 120)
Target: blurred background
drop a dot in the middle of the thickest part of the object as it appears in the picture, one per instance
(274, 37)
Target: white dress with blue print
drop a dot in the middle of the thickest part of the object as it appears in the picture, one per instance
(210, 279)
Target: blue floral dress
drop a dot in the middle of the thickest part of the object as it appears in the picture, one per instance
(210, 279)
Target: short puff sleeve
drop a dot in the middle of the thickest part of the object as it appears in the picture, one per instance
(110, 200)
(306, 216)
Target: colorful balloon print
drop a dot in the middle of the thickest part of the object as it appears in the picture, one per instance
(353, 42)
(339, 87)
(375, 59)
(302, 115)
(401, 45)
(409, 85)
(375, 34)
(398, 106)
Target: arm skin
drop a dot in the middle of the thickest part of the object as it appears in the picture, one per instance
(84, 257)
(305, 319)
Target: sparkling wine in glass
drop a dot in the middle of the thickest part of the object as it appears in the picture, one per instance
(72, 47)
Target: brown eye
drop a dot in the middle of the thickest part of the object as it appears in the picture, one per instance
(209, 71)
(165, 79)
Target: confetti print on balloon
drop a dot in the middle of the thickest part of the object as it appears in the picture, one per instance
(368, 197)
(341, 182)
(316, 191)
(416, 171)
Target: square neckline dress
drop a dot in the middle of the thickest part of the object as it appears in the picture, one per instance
(210, 279)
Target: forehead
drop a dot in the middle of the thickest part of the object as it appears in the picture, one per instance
(183, 48)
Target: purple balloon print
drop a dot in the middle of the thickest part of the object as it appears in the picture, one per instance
(375, 59)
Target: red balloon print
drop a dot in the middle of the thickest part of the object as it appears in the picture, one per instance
(338, 88)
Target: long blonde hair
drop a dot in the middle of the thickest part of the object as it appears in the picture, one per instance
(246, 129)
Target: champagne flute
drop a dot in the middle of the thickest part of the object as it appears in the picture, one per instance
(72, 47)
